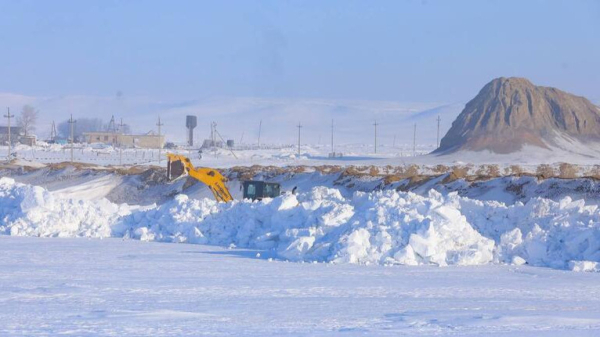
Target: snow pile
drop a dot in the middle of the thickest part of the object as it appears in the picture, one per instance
(321, 225)
(540, 232)
(27, 210)
(385, 227)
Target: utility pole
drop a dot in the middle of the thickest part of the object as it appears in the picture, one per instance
(119, 142)
(415, 141)
(9, 116)
(72, 125)
(299, 127)
(212, 134)
(375, 124)
(332, 151)
(438, 132)
(259, 130)
(111, 125)
(160, 145)
(53, 132)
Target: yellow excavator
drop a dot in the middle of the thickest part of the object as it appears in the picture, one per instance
(178, 166)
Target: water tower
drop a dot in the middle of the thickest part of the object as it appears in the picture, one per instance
(190, 123)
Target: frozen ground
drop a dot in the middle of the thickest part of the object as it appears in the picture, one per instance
(278, 155)
(359, 154)
(113, 287)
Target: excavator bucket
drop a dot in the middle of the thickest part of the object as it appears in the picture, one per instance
(175, 169)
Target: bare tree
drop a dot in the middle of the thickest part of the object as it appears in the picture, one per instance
(28, 119)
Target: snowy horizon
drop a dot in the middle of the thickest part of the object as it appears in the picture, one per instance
(238, 118)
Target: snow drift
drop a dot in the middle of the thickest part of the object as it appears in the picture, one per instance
(386, 227)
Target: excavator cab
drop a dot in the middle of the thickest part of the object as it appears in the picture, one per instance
(257, 190)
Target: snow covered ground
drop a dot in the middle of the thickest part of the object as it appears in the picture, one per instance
(113, 287)
(432, 263)
(277, 155)
(357, 154)
(321, 225)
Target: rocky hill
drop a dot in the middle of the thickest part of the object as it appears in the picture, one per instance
(509, 113)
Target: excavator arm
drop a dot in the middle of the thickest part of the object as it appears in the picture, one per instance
(178, 165)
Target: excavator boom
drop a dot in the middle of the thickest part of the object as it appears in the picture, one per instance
(178, 165)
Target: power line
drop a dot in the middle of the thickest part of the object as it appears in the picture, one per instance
(9, 116)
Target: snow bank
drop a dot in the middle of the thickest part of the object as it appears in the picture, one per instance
(27, 210)
(322, 226)
(385, 227)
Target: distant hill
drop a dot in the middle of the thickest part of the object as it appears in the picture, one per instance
(509, 113)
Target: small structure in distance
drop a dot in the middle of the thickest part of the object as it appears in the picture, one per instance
(149, 140)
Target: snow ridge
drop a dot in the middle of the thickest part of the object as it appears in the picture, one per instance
(384, 227)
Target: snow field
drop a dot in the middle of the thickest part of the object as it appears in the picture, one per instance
(385, 228)
(115, 287)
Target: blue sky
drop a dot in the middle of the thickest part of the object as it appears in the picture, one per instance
(427, 51)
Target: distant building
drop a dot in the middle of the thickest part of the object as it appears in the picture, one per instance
(15, 134)
(27, 140)
(208, 143)
(149, 140)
